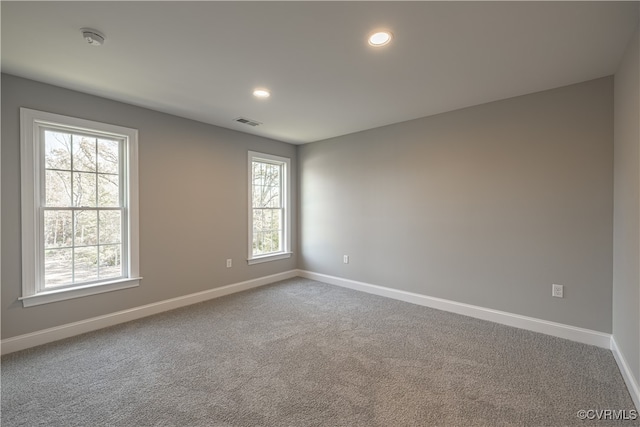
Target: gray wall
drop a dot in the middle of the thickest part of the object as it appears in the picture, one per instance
(626, 228)
(487, 205)
(193, 205)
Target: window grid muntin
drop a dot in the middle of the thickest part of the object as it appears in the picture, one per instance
(122, 198)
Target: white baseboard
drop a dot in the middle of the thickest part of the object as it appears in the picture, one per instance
(625, 370)
(586, 336)
(573, 333)
(44, 336)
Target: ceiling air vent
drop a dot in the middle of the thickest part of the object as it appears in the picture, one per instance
(246, 121)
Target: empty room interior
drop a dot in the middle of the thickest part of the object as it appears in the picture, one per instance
(320, 213)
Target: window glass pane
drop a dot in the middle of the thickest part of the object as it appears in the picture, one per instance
(110, 261)
(257, 243)
(275, 240)
(58, 267)
(276, 216)
(275, 229)
(267, 241)
(86, 224)
(58, 231)
(108, 191)
(263, 197)
(266, 185)
(110, 224)
(57, 188)
(255, 195)
(84, 153)
(84, 189)
(256, 173)
(273, 174)
(57, 150)
(267, 214)
(108, 156)
(86, 264)
(274, 197)
(267, 231)
(258, 219)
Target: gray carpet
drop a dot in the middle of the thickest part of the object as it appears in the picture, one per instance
(303, 353)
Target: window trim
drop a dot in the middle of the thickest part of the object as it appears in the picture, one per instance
(286, 203)
(31, 185)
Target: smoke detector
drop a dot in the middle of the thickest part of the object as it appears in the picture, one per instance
(93, 37)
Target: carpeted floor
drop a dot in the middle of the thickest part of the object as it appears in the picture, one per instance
(303, 353)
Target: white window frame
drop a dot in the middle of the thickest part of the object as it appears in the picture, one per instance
(286, 203)
(32, 204)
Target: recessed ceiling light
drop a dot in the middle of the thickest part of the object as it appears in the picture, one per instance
(380, 38)
(261, 93)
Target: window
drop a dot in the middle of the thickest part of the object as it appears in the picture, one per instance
(79, 207)
(269, 218)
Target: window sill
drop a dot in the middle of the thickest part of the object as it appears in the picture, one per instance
(81, 291)
(267, 258)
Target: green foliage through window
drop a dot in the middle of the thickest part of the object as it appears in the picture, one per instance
(83, 208)
(267, 207)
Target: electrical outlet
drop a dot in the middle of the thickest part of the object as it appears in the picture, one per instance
(557, 291)
(229, 263)
(345, 259)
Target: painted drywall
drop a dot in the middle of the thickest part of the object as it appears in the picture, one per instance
(193, 205)
(488, 205)
(626, 224)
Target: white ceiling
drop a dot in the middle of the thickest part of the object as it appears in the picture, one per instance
(201, 60)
